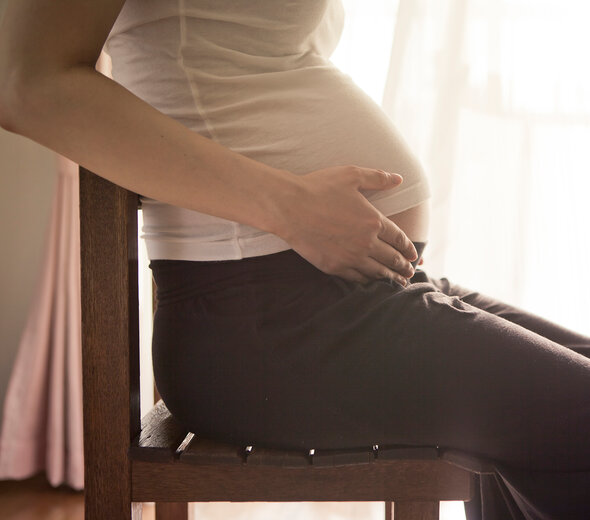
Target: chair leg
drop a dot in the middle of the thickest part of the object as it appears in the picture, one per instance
(108, 499)
(171, 511)
(416, 510)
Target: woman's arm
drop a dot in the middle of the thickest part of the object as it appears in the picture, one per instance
(50, 92)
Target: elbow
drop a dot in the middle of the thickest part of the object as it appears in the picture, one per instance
(5, 116)
(27, 97)
(10, 93)
(19, 84)
(5, 120)
(19, 102)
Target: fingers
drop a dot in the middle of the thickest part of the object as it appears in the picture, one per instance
(394, 236)
(344, 235)
(376, 179)
(369, 270)
(391, 259)
(372, 269)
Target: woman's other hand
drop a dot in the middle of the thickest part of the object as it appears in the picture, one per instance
(332, 225)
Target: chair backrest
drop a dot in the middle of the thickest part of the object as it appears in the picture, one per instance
(110, 330)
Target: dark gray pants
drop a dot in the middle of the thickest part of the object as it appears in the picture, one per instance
(270, 351)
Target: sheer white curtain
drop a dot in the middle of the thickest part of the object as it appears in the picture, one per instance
(494, 97)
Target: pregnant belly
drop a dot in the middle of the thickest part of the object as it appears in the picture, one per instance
(299, 120)
(319, 118)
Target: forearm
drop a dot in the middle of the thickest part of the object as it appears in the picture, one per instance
(50, 92)
(99, 124)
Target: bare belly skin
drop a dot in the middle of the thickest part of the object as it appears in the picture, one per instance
(414, 222)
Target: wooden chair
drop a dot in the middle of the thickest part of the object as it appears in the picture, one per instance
(128, 461)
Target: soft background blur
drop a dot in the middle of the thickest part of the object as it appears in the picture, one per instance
(494, 98)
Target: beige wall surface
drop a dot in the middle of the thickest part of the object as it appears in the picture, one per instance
(27, 181)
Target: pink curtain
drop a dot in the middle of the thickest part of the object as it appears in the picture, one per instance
(42, 423)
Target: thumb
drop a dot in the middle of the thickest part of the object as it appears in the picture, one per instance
(379, 180)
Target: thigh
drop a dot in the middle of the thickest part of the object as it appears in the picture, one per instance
(497, 389)
(299, 359)
(553, 331)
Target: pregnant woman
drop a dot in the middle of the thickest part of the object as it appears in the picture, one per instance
(281, 239)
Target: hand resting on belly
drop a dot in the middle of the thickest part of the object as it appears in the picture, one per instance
(414, 222)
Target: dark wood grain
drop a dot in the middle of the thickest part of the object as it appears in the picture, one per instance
(110, 343)
(278, 458)
(171, 511)
(379, 481)
(342, 457)
(204, 451)
(416, 510)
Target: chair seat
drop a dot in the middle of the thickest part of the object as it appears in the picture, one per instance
(164, 450)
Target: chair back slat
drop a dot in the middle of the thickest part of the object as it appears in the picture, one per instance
(110, 332)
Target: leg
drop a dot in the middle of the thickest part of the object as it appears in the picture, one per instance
(509, 493)
(502, 392)
(297, 359)
(528, 397)
(499, 494)
(541, 326)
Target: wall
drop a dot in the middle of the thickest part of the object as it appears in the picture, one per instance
(27, 180)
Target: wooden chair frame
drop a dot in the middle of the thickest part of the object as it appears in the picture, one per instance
(128, 461)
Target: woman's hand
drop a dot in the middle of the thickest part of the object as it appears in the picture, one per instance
(332, 225)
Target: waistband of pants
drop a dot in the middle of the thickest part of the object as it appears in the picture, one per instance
(176, 279)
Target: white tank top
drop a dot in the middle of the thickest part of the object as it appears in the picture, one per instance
(255, 76)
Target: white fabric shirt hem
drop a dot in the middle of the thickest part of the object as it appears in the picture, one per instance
(237, 247)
